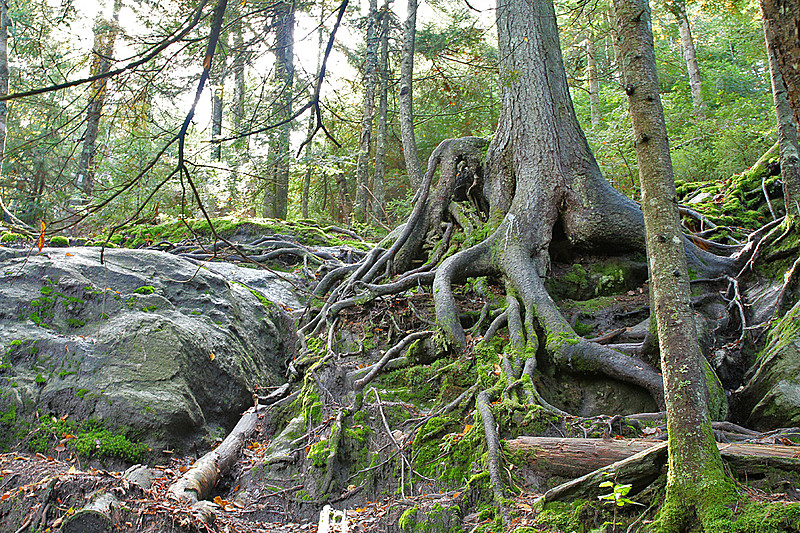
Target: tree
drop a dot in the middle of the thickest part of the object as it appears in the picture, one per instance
(105, 36)
(695, 480)
(368, 113)
(277, 187)
(378, 213)
(783, 16)
(787, 123)
(678, 10)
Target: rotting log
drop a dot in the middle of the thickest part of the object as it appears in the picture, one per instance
(98, 516)
(197, 483)
(578, 457)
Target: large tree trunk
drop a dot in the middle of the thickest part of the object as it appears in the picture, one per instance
(787, 126)
(695, 475)
(541, 173)
(105, 35)
(5, 22)
(784, 17)
(277, 187)
(367, 115)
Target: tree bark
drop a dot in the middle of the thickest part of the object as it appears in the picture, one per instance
(787, 126)
(367, 115)
(678, 9)
(277, 187)
(378, 191)
(784, 17)
(312, 122)
(217, 96)
(413, 166)
(105, 35)
(5, 22)
(572, 458)
(592, 78)
(695, 468)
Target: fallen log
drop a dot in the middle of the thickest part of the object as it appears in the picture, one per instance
(576, 457)
(197, 483)
(98, 516)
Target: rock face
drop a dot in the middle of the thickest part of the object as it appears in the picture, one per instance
(144, 340)
(771, 396)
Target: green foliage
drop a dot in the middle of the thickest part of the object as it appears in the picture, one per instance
(618, 494)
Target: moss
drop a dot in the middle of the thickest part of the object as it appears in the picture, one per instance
(145, 289)
(408, 519)
(318, 453)
(59, 241)
(80, 393)
(89, 438)
(9, 237)
(446, 448)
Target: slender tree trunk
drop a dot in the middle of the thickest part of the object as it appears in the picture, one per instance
(105, 35)
(367, 116)
(5, 22)
(787, 127)
(378, 212)
(678, 9)
(593, 80)
(312, 120)
(695, 475)
(217, 95)
(277, 190)
(238, 68)
(413, 167)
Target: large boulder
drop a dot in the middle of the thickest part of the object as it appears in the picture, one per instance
(142, 340)
(771, 396)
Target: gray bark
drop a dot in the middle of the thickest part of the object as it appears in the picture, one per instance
(695, 466)
(678, 9)
(367, 115)
(413, 166)
(217, 95)
(787, 127)
(592, 79)
(378, 191)
(784, 18)
(105, 35)
(277, 187)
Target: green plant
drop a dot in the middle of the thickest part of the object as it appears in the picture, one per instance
(40, 379)
(59, 241)
(617, 497)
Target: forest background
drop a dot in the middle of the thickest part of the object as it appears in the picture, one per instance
(69, 151)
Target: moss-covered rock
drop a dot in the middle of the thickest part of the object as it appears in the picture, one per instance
(124, 343)
(771, 397)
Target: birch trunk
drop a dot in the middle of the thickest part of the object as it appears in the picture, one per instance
(678, 9)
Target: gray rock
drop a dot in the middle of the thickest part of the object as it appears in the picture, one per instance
(144, 340)
(771, 396)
